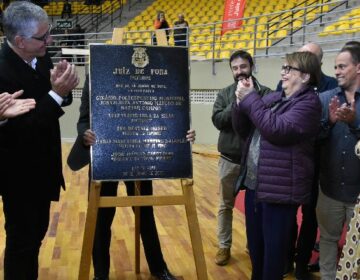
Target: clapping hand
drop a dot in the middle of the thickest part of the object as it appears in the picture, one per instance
(333, 106)
(244, 87)
(11, 107)
(64, 78)
(346, 113)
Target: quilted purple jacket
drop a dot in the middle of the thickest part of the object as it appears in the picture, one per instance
(288, 128)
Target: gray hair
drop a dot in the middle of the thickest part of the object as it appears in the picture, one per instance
(22, 18)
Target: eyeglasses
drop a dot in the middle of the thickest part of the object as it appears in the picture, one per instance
(287, 68)
(44, 37)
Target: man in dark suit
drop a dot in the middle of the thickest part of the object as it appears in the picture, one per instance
(78, 158)
(31, 142)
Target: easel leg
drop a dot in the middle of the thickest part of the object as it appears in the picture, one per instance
(89, 231)
(137, 229)
(194, 229)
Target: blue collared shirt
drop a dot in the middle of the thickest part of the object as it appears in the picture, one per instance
(339, 166)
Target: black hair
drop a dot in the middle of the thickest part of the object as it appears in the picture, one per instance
(242, 54)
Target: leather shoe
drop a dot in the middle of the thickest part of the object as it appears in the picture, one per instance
(222, 256)
(302, 272)
(314, 267)
(163, 275)
(289, 268)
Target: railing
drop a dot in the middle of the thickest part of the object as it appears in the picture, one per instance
(93, 16)
(260, 38)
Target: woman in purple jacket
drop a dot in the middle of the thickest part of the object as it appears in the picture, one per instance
(277, 167)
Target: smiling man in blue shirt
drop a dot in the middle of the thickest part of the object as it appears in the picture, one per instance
(339, 166)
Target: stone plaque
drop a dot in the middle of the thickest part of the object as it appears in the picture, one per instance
(140, 112)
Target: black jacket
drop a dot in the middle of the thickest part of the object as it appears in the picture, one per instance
(31, 144)
(80, 155)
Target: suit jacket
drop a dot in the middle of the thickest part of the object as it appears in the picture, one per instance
(80, 155)
(31, 143)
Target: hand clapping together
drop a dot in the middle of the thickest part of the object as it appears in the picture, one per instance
(64, 78)
(11, 107)
(245, 86)
(341, 112)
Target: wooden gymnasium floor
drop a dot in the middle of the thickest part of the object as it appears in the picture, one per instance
(60, 253)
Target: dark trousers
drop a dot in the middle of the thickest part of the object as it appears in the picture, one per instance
(148, 231)
(268, 227)
(26, 223)
(301, 246)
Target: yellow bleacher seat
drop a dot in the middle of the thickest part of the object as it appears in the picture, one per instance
(328, 30)
(205, 47)
(240, 45)
(200, 54)
(245, 36)
(260, 27)
(345, 27)
(211, 55)
(261, 44)
(310, 16)
(262, 20)
(194, 48)
(250, 21)
(191, 39)
(281, 33)
(228, 46)
(355, 27)
(129, 41)
(225, 54)
(297, 23)
(200, 39)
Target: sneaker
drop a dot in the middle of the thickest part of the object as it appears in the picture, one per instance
(222, 256)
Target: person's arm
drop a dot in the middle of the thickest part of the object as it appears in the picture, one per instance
(157, 24)
(347, 114)
(221, 114)
(300, 122)
(240, 122)
(79, 155)
(328, 114)
(84, 118)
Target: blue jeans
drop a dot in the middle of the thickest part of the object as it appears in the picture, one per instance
(268, 230)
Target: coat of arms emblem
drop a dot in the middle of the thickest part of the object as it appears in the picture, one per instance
(140, 58)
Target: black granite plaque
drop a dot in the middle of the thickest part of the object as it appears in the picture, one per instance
(140, 112)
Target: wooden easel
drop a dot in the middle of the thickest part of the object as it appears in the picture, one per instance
(96, 201)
